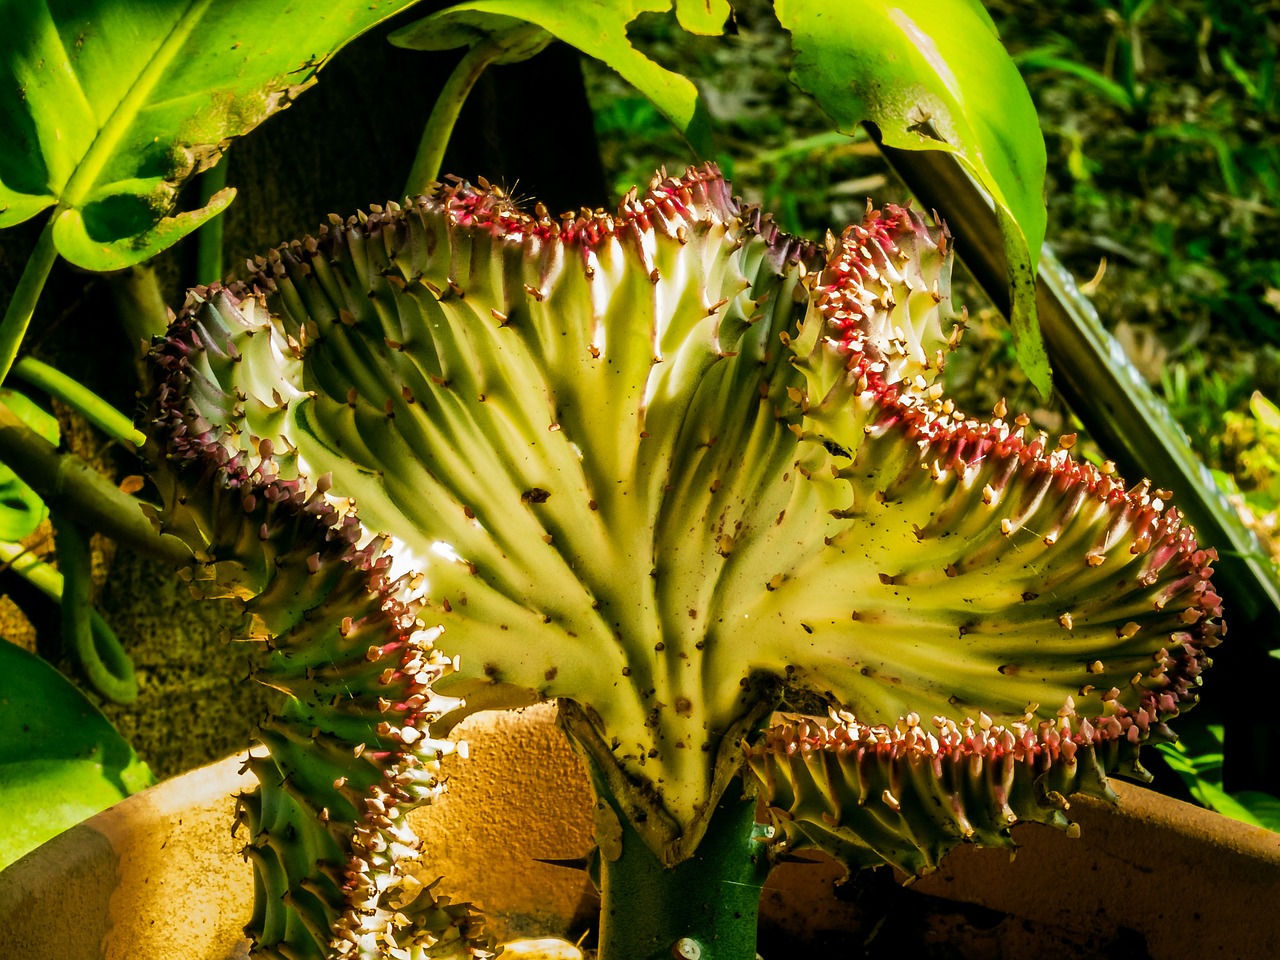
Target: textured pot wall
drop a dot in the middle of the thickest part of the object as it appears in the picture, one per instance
(1157, 875)
(502, 804)
(1149, 879)
(160, 877)
(156, 877)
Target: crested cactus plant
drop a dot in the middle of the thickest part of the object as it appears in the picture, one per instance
(673, 469)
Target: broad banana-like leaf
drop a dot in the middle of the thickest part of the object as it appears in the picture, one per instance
(111, 105)
(667, 465)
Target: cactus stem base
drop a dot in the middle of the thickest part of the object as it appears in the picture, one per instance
(704, 908)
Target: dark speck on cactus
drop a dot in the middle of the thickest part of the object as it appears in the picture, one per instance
(454, 456)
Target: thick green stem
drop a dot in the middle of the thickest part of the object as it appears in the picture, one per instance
(17, 315)
(140, 303)
(103, 646)
(80, 398)
(69, 485)
(100, 657)
(704, 908)
(209, 236)
(435, 136)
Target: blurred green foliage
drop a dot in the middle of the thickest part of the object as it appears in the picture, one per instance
(1251, 448)
(1197, 759)
(1160, 122)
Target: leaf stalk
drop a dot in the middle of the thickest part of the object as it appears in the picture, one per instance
(97, 651)
(76, 395)
(69, 485)
(444, 115)
(209, 260)
(17, 315)
(119, 683)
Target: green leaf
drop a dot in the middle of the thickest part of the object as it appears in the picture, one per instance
(60, 759)
(599, 30)
(76, 238)
(1264, 808)
(119, 103)
(1197, 759)
(704, 17)
(933, 75)
(21, 509)
(469, 28)
(1266, 412)
(1045, 59)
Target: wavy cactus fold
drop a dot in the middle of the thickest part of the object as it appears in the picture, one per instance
(669, 466)
(329, 626)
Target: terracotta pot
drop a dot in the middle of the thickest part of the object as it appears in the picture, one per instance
(160, 876)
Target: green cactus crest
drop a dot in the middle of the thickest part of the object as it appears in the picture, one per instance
(672, 468)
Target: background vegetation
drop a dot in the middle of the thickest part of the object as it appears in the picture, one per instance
(1163, 187)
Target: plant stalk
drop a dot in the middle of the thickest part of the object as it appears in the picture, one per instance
(209, 236)
(17, 315)
(444, 115)
(102, 645)
(99, 654)
(704, 908)
(80, 398)
(70, 486)
(140, 304)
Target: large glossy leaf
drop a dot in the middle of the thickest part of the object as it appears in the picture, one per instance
(60, 759)
(932, 74)
(21, 508)
(598, 29)
(110, 105)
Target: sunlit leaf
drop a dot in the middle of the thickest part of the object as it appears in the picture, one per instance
(705, 17)
(21, 508)
(60, 759)
(1197, 759)
(118, 103)
(1266, 412)
(76, 238)
(599, 30)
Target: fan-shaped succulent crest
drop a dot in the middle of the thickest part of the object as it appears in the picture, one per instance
(667, 465)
